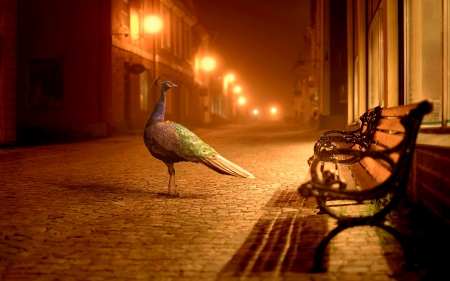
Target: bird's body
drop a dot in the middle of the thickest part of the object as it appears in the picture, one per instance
(172, 143)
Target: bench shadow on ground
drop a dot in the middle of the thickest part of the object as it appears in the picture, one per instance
(283, 241)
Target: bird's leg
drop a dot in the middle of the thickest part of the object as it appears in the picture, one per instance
(177, 193)
(171, 170)
(169, 166)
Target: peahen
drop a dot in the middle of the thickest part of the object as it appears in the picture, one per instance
(172, 143)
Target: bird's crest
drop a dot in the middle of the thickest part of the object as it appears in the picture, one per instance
(157, 82)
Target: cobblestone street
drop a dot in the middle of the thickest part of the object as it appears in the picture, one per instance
(98, 210)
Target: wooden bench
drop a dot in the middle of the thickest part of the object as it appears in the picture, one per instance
(369, 163)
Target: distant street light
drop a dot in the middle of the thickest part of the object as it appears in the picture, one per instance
(208, 64)
(273, 110)
(237, 89)
(241, 100)
(255, 111)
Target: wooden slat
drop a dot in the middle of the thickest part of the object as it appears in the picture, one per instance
(363, 180)
(345, 175)
(398, 111)
(389, 140)
(391, 125)
(377, 170)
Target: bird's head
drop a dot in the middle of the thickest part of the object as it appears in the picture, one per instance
(165, 85)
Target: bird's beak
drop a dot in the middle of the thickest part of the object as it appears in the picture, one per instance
(174, 85)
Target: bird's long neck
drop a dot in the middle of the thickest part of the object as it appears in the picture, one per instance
(159, 111)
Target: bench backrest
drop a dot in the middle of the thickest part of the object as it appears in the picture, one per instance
(390, 137)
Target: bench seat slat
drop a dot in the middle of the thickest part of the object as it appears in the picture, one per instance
(389, 140)
(376, 169)
(390, 125)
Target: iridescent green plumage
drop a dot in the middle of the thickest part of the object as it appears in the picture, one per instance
(192, 145)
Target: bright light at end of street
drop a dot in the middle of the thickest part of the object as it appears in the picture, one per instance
(241, 100)
(255, 111)
(273, 110)
(229, 78)
(153, 24)
(208, 64)
(237, 89)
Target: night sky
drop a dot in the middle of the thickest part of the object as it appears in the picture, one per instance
(259, 41)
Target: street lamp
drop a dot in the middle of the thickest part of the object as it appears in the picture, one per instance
(241, 100)
(237, 89)
(273, 111)
(153, 24)
(255, 111)
(208, 64)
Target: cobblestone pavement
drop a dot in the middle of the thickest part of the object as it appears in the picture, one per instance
(98, 210)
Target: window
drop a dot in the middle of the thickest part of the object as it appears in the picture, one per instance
(125, 13)
(424, 56)
(141, 16)
(187, 41)
(45, 84)
(143, 88)
(375, 52)
(166, 27)
(178, 37)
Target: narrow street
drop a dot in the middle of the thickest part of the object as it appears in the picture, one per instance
(98, 210)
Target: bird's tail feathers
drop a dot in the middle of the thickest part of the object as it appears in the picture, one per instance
(225, 166)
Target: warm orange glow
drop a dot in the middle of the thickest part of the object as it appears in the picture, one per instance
(153, 24)
(255, 111)
(208, 64)
(273, 110)
(237, 89)
(241, 100)
(134, 25)
(229, 78)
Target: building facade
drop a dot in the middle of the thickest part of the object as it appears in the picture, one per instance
(89, 67)
(397, 52)
(8, 70)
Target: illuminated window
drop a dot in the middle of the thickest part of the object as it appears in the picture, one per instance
(141, 16)
(178, 37)
(143, 87)
(125, 14)
(424, 57)
(166, 28)
(187, 41)
(375, 52)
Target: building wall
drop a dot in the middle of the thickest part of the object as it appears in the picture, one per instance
(70, 36)
(8, 70)
(429, 181)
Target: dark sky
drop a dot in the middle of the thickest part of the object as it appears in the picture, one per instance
(259, 41)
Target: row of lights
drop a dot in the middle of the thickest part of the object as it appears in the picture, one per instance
(273, 111)
(154, 25)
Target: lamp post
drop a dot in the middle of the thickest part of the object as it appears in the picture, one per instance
(207, 64)
(153, 26)
(227, 80)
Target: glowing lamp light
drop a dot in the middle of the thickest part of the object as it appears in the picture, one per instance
(273, 110)
(229, 78)
(237, 89)
(255, 111)
(153, 24)
(208, 64)
(241, 100)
